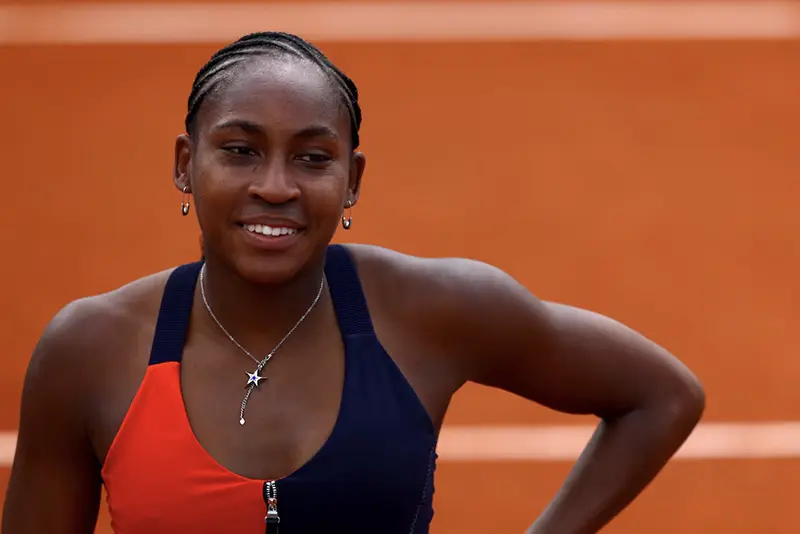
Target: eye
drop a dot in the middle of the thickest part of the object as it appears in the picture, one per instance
(314, 158)
(240, 150)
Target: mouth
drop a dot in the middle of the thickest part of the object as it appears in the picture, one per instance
(270, 231)
(270, 238)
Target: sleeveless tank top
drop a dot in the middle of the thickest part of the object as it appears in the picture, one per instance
(374, 474)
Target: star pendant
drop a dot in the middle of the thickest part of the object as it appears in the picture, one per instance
(253, 378)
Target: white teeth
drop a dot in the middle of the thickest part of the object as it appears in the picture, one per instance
(269, 230)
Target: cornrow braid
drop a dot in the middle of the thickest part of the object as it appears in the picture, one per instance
(222, 65)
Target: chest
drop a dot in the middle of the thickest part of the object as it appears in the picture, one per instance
(288, 416)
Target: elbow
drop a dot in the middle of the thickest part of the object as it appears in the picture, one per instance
(694, 398)
(685, 403)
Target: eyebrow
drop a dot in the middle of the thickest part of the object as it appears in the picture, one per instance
(241, 124)
(317, 130)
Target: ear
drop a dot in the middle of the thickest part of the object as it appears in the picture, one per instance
(181, 173)
(357, 164)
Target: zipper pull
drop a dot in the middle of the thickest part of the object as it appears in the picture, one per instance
(271, 499)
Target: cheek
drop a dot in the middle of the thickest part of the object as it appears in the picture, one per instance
(216, 183)
(325, 197)
(215, 196)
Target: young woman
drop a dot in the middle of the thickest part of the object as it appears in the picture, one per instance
(290, 381)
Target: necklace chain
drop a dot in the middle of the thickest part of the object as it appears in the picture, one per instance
(254, 377)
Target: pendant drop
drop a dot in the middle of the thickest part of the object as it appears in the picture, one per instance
(244, 403)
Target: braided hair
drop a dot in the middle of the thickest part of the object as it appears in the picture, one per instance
(224, 63)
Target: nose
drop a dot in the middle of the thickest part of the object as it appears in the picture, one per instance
(274, 183)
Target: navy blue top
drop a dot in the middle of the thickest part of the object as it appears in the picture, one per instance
(374, 474)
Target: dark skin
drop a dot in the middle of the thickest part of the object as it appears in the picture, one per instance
(276, 143)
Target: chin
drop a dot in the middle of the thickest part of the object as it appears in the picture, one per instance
(269, 269)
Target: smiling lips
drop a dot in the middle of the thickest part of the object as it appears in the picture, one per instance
(271, 231)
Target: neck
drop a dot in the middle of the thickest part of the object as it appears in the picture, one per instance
(258, 316)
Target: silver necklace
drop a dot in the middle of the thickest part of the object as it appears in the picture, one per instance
(254, 378)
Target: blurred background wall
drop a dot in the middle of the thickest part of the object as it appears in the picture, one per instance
(637, 159)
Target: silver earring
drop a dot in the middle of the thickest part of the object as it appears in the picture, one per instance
(184, 202)
(348, 222)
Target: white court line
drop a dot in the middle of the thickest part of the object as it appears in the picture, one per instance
(141, 22)
(470, 443)
(748, 440)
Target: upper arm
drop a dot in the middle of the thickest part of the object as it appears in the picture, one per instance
(562, 357)
(55, 483)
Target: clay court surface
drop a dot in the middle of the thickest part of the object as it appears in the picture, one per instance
(655, 182)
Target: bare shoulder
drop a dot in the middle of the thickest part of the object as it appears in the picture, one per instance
(95, 320)
(442, 275)
(425, 311)
(446, 290)
(86, 334)
(446, 304)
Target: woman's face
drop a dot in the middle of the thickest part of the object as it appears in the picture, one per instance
(270, 166)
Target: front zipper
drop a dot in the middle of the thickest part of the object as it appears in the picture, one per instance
(271, 499)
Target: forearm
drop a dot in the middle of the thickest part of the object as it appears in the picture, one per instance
(621, 459)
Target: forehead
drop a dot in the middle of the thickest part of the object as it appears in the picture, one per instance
(277, 92)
